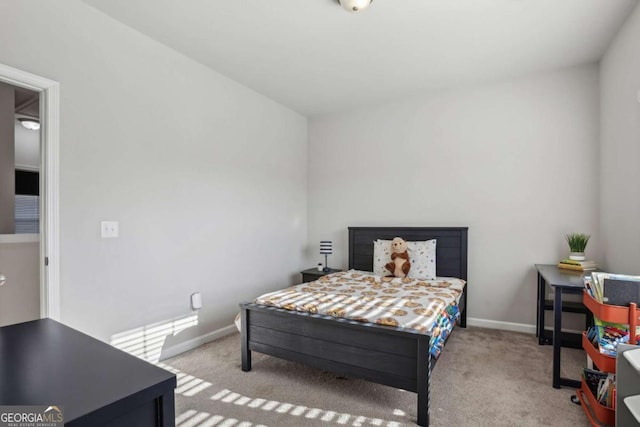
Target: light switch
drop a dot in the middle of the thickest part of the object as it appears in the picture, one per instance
(109, 229)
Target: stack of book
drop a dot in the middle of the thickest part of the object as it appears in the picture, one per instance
(602, 385)
(569, 264)
(613, 289)
(605, 336)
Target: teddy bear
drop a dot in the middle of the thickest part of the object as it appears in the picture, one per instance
(399, 265)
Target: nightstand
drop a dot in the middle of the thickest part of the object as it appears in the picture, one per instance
(313, 274)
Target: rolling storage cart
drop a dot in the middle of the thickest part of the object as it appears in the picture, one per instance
(598, 414)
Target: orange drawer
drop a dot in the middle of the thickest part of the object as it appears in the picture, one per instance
(602, 414)
(603, 362)
(612, 313)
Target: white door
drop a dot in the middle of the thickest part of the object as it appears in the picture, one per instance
(20, 183)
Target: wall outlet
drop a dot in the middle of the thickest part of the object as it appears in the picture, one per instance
(109, 229)
(196, 301)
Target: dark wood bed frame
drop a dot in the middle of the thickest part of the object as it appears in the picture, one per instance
(382, 354)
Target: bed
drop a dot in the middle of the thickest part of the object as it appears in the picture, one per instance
(392, 356)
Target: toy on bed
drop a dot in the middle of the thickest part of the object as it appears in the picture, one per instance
(399, 265)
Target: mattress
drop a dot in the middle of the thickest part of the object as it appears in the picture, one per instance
(425, 306)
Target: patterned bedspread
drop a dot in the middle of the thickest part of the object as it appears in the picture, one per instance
(422, 305)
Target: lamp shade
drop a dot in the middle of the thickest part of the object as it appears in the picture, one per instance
(355, 5)
(326, 247)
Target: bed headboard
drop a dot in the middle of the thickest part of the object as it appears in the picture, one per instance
(451, 248)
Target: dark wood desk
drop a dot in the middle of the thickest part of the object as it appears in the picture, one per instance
(545, 336)
(44, 362)
(560, 281)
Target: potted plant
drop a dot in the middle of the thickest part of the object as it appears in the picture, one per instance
(577, 244)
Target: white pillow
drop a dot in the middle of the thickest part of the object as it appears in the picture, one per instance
(422, 256)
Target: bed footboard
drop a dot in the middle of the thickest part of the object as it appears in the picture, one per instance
(381, 354)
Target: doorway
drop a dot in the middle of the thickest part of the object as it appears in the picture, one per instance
(19, 204)
(45, 247)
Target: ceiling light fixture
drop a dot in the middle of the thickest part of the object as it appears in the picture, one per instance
(354, 5)
(30, 124)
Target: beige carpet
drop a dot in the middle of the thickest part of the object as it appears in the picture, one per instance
(484, 378)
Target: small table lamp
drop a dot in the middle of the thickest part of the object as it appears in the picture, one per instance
(326, 249)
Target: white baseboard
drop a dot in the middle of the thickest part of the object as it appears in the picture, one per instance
(175, 350)
(505, 326)
(228, 330)
(508, 326)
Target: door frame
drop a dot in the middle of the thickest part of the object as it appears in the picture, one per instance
(49, 183)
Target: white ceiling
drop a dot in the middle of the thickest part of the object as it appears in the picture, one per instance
(314, 57)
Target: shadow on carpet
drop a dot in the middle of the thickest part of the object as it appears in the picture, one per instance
(484, 377)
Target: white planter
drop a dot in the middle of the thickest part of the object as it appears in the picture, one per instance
(577, 256)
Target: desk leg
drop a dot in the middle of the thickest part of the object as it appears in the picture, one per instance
(540, 312)
(557, 335)
(166, 410)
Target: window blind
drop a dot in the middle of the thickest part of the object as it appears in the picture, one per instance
(27, 214)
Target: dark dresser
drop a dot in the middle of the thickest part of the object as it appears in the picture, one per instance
(44, 362)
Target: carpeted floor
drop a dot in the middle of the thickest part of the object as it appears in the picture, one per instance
(484, 378)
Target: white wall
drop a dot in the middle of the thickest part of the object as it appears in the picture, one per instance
(620, 149)
(27, 147)
(7, 165)
(207, 178)
(517, 162)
